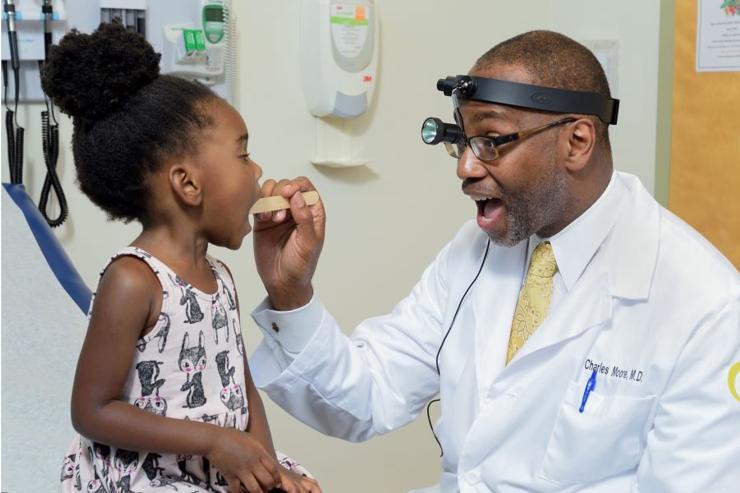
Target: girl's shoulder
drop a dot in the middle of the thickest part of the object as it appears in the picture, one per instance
(128, 276)
(135, 264)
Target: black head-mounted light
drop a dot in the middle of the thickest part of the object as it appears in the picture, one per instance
(468, 87)
(530, 96)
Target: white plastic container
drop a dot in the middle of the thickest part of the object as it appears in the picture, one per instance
(338, 56)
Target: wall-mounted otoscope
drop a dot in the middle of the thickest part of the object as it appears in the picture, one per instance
(14, 132)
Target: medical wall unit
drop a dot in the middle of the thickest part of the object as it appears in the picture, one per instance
(196, 37)
(202, 47)
(27, 20)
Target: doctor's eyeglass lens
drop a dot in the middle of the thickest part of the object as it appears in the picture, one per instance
(485, 148)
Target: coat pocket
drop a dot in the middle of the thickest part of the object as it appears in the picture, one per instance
(605, 439)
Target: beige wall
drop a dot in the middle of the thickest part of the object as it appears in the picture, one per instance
(385, 221)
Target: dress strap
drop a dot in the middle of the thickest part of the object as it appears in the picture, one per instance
(226, 286)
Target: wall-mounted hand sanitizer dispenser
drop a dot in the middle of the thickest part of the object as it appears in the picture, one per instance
(338, 56)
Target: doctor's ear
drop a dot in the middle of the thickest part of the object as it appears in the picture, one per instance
(580, 143)
(184, 179)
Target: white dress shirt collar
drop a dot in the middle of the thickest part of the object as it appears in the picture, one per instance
(576, 244)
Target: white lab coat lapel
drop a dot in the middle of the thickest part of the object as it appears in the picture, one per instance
(460, 410)
(482, 322)
(495, 300)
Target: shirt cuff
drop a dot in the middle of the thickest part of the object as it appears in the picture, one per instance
(292, 329)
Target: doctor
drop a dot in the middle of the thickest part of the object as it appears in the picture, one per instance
(580, 336)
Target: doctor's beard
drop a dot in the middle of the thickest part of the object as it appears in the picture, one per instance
(529, 211)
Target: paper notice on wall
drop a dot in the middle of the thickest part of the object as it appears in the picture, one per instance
(718, 36)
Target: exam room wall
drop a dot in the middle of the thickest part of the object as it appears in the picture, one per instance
(386, 221)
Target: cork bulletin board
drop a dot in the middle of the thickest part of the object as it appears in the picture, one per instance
(704, 188)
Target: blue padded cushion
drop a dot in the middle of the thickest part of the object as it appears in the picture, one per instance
(50, 247)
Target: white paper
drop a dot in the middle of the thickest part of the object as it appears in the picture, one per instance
(718, 36)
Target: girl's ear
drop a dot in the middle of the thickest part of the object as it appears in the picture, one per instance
(185, 181)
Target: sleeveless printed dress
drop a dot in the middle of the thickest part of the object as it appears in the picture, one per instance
(189, 366)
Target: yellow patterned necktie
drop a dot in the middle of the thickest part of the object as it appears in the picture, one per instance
(534, 298)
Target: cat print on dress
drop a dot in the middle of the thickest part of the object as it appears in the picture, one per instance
(101, 452)
(68, 468)
(95, 486)
(220, 319)
(206, 465)
(163, 322)
(220, 479)
(232, 395)
(193, 361)
(163, 331)
(125, 462)
(187, 476)
(78, 479)
(193, 313)
(151, 466)
(148, 373)
(238, 335)
(154, 473)
(227, 293)
(209, 418)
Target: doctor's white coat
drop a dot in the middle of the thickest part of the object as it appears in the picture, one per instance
(656, 314)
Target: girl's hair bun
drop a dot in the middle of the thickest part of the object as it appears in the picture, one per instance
(89, 76)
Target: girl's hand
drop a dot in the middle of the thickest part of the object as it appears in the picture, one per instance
(295, 483)
(287, 244)
(243, 461)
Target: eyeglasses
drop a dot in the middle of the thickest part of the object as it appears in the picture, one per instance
(486, 148)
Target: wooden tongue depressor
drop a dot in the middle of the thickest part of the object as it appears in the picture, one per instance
(276, 202)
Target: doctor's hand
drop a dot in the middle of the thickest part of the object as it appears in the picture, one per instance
(287, 244)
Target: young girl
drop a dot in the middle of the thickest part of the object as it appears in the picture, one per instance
(163, 399)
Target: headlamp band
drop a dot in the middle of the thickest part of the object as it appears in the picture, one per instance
(529, 96)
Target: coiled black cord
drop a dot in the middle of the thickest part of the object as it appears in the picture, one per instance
(436, 359)
(50, 141)
(50, 137)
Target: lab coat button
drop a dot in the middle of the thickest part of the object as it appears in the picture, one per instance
(472, 476)
(275, 327)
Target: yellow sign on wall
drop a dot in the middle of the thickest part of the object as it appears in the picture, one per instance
(705, 144)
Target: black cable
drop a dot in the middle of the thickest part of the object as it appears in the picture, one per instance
(10, 135)
(452, 323)
(50, 138)
(19, 131)
(5, 83)
(50, 142)
(457, 310)
(431, 426)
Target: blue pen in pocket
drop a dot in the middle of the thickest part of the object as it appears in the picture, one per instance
(590, 385)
